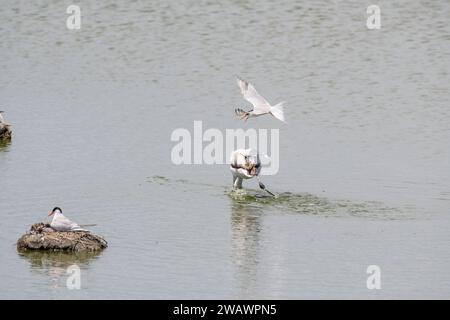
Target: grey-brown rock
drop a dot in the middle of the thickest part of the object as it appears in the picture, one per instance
(42, 237)
(5, 131)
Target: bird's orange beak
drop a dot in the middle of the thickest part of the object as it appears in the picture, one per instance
(50, 213)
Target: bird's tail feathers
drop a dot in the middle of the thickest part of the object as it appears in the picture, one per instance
(277, 111)
(79, 229)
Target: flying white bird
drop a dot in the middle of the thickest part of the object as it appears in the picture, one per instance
(61, 223)
(244, 165)
(260, 105)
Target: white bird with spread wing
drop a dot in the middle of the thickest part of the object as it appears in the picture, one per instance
(260, 105)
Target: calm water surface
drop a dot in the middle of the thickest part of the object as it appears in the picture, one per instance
(364, 173)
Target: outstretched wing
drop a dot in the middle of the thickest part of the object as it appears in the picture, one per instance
(250, 94)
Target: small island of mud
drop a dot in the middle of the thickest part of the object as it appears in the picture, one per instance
(42, 237)
(5, 131)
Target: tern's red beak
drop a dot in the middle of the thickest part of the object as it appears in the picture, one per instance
(50, 213)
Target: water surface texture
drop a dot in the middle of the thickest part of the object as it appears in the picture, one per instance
(364, 159)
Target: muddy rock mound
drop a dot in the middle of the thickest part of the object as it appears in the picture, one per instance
(5, 131)
(42, 237)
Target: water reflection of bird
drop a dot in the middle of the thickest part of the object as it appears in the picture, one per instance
(54, 265)
(260, 105)
(61, 223)
(245, 244)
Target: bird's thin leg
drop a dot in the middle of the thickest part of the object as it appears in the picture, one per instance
(244, 116)
(235, 177)
(237, 183)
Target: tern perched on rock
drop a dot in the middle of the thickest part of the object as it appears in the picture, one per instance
(244, 165)
(61, 223)
(260, 105)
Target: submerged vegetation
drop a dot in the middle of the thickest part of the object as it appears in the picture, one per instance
(295, 203)
(306, 203)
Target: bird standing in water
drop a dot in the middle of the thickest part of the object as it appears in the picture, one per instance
(244, 165)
